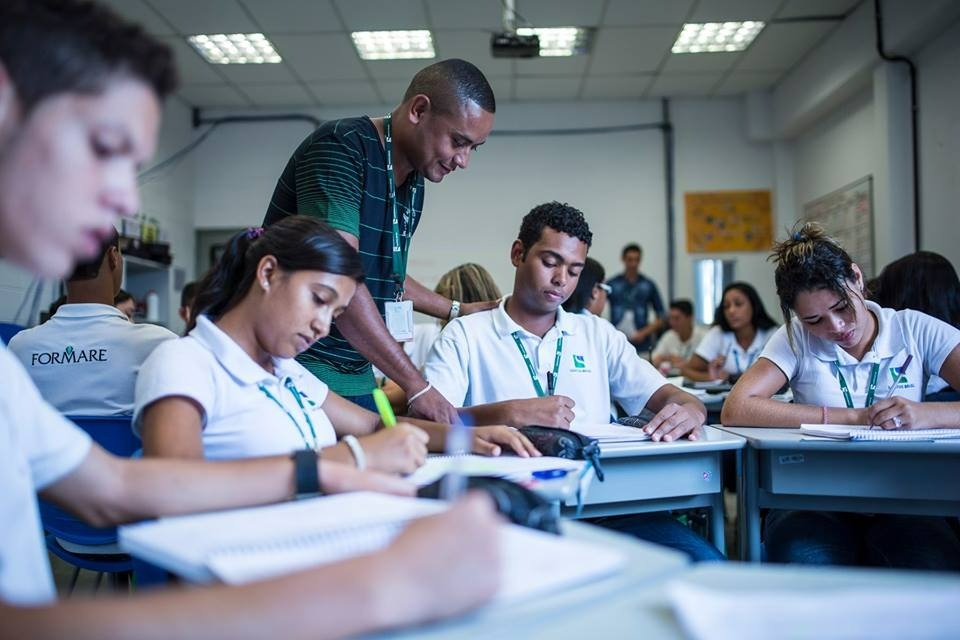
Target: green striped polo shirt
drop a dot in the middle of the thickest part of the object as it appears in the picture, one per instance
(338, 174)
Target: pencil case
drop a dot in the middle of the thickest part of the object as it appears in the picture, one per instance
(562, 443)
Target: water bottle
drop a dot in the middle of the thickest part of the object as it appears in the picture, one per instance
(153, 306)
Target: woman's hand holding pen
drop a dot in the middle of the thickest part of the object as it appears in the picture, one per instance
(898, 412)
(399, 449)
(715, 368)
(490, 441)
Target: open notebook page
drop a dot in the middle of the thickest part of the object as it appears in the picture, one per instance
(861, 433)
(611, 432)
(506, 466)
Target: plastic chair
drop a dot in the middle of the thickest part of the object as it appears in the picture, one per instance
(8, 330)
(75, 542)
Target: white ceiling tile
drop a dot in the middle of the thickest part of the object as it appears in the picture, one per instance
(257, 73)
(344, 93)
(743, 81)
(193, 69)
(547, 88)
(209, 16)
(615, 87)
(375, 15)
(699, 62)
(278, 95)
(806, 8)
(396, 69)
(559, 13)
(473, 46)
(321, 56)
(781, 46)
(631, 50)
(136, 11)
(294, 16)
(209, 96)
(724, 10)
(572, 66)
(689, 84)
(634, 13)
(465, 14)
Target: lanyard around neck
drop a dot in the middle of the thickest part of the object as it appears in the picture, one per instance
(303, 410)
(401, 245)
(871, 386)
(750, 359)
(531, 370)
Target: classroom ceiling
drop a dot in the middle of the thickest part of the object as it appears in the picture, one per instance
(630, 58)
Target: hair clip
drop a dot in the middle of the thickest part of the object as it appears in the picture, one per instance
(254, 232)
(796, 236)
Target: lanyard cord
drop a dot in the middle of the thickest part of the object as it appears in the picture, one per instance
(871, 386)
(296, 394)
(400, 245)
(533, 372)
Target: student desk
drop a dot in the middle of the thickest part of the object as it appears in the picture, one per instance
(642, 477)
(782, 469)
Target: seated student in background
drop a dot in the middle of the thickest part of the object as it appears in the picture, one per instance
(187, 295)
(80, 95)
(125, 301)
(495, 364)
(927, 282)
(841, 354)
(676, 346)
(590, 294)
(740, 329)
(232, 389)
(84, 360)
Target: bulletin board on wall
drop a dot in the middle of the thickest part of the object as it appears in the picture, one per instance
(847, 215)
(723, 221)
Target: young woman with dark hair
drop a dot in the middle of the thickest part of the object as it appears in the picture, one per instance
(590, 296)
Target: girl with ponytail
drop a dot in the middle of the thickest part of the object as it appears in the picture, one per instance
(232, 388)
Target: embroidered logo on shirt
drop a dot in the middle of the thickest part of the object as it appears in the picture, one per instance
(895, 376)
(69, 355)
(579, 362)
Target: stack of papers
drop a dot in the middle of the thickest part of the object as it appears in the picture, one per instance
(509, 467)
(861, 433)
(607, 433)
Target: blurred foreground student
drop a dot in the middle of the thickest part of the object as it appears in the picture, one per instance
(80, 105)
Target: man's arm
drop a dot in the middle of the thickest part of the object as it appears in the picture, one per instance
(434, 304)
(549, 411)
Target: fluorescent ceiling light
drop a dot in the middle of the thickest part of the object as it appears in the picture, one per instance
(235, 48)
(394, 45)
(559, 41)
(713, 37)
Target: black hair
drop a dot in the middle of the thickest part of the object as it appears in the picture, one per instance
(684, 306)
(299, 243)
(71, 46)
(924, 281)
(188, 293)
(122, 296)
(90, 269)
(760, 319)
(559, 217)
(450, 84)
(633, 246)
(591, 275)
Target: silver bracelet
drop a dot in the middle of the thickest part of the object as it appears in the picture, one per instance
(414, 397)
(357, 450)
(454, 309)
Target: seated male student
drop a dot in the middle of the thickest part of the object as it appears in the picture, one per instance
(495, 364)
(677, 345)
(85, 358)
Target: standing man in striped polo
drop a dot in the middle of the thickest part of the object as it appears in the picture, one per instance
(365, 177)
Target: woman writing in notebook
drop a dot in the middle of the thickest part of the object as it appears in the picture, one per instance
(231, 388)
(741, 328)
(842, 357)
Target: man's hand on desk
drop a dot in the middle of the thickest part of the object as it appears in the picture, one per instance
(434, 407)
(491, 441)
(675, 421)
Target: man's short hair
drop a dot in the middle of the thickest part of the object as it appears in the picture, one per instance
(91, 268)
(452, 83)
(188, 293)
(51, 47)
(683, 306)
(633, 246)
(559, 217)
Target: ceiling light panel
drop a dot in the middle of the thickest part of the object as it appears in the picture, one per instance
(560, 41)
(714, 37)
(394, 45)
(235, 48)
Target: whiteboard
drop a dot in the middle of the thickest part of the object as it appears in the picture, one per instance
(847, 215)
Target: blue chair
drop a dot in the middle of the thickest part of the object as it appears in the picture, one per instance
(8, 330)
(77, 543)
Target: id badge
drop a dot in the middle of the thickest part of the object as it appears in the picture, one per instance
(399, 319)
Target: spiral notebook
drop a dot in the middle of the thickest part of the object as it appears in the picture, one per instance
(861, 433)
(510, 467)
(246, 545)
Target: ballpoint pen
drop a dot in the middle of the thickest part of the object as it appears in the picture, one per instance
(551, 383)
(901, 371)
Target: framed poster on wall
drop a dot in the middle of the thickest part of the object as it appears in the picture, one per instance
(847, 215)
(721, 221)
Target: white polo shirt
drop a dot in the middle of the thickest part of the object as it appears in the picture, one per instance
(85, 359)
(671, 344)
(812, 371)
(38, 446)
(476, 361)
(718, 342)
(240, 419)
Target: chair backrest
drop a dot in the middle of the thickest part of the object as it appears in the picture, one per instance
(8, 330)
(113, 433)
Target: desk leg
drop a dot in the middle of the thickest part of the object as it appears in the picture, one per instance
(717, 522)
(747, 479)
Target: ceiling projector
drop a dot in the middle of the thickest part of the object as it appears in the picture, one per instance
(511, 45)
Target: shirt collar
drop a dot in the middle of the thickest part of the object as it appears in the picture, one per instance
(505, 325)
(883, 345)
(88, 310)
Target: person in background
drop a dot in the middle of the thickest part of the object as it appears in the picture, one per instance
(187, 295)
(677, 345)
(85, 359)
(740, 329)
(80, 105)
(590, 296)
(125, 301)
(631, 296)
(842, 356)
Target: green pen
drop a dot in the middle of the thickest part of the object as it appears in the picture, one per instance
(383, 406)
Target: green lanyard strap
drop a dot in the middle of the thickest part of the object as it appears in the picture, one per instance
(871, 387)
(401, 245)
(296, 395)
(533, 372)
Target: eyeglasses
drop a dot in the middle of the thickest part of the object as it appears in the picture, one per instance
(605, 287)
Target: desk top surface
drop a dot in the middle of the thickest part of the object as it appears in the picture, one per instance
(715, 440)
(780, 438)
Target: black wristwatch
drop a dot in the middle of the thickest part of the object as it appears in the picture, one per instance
(307, 473)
